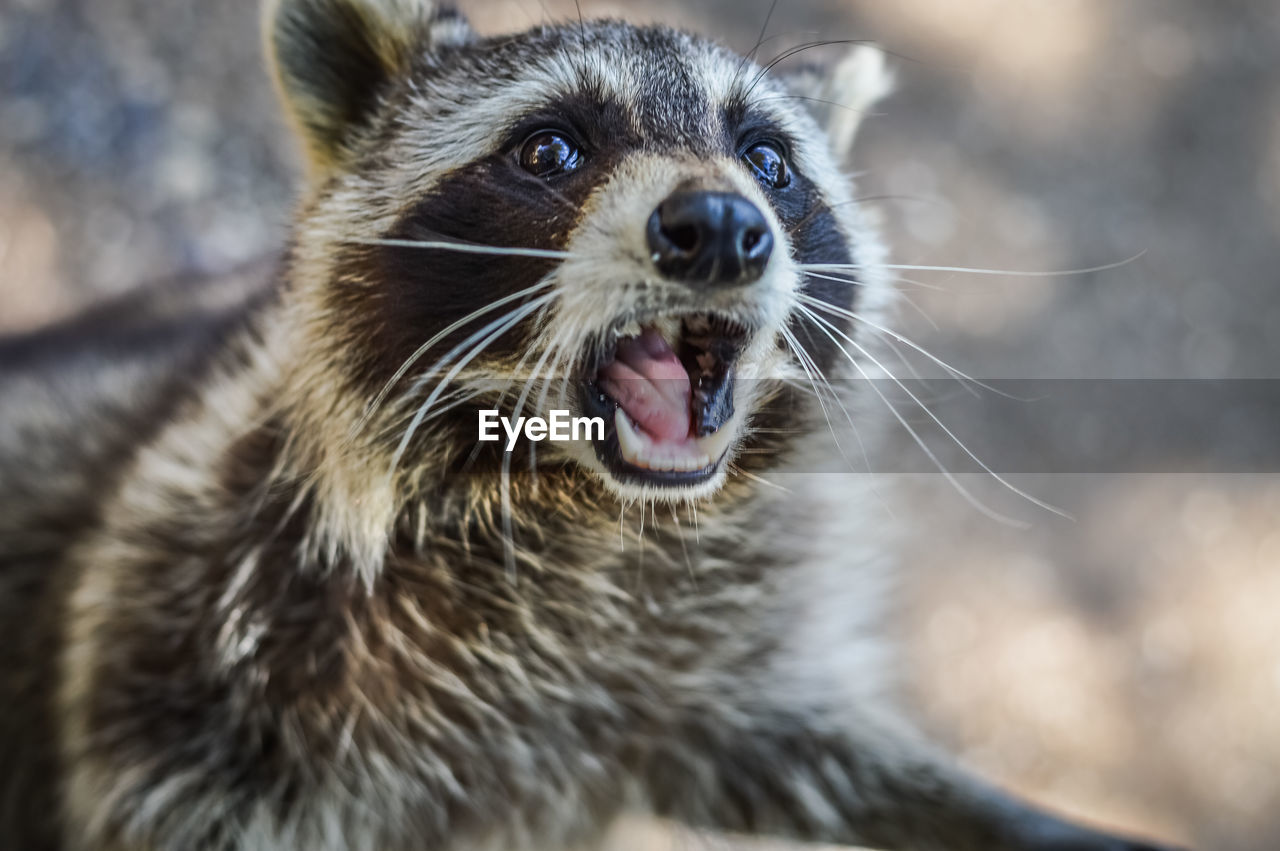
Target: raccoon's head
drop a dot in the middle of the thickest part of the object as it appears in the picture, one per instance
(602, 218)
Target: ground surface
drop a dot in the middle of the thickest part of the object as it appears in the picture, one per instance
(1125, 665)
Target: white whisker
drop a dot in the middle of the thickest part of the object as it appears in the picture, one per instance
(846, 280)
(894, 335)
(448, 401)
(803, 355)
(815, 375)
(824, 325)
(465, 247)
(753, 477)
(811, 370)
(503, 324)
(975, 271)
(910, 302)
(436, 338)
(508, 540)
(684, 546)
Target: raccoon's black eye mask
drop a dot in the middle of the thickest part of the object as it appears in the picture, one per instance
(549, 152)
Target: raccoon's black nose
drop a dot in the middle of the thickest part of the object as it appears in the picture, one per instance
(709, 238)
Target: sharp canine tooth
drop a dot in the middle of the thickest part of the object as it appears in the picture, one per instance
(630, 443)
(714, 445)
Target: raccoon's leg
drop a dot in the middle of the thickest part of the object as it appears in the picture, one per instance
(876, 786)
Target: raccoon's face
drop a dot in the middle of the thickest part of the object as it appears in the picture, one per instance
(605, 219)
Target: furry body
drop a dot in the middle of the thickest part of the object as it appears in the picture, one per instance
(245, 608)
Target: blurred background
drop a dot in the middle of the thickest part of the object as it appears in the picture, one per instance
(1124, 665)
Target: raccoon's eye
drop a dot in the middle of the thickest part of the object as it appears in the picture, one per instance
(548, 153)
(768, 163)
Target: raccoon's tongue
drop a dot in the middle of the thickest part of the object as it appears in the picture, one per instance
(649, 382)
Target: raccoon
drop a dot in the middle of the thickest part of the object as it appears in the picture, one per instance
(262, 587)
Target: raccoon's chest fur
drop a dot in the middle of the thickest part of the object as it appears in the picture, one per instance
(450, 699)
(157, 607)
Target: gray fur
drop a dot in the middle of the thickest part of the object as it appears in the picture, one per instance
(230, 625)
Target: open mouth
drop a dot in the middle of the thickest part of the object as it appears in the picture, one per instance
(668, 409)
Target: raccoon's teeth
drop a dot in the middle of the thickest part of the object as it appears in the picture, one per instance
(630, 443)
(640, 450)
(717, 443)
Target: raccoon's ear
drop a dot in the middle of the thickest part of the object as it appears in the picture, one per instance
(332, 59)
(840, 96)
